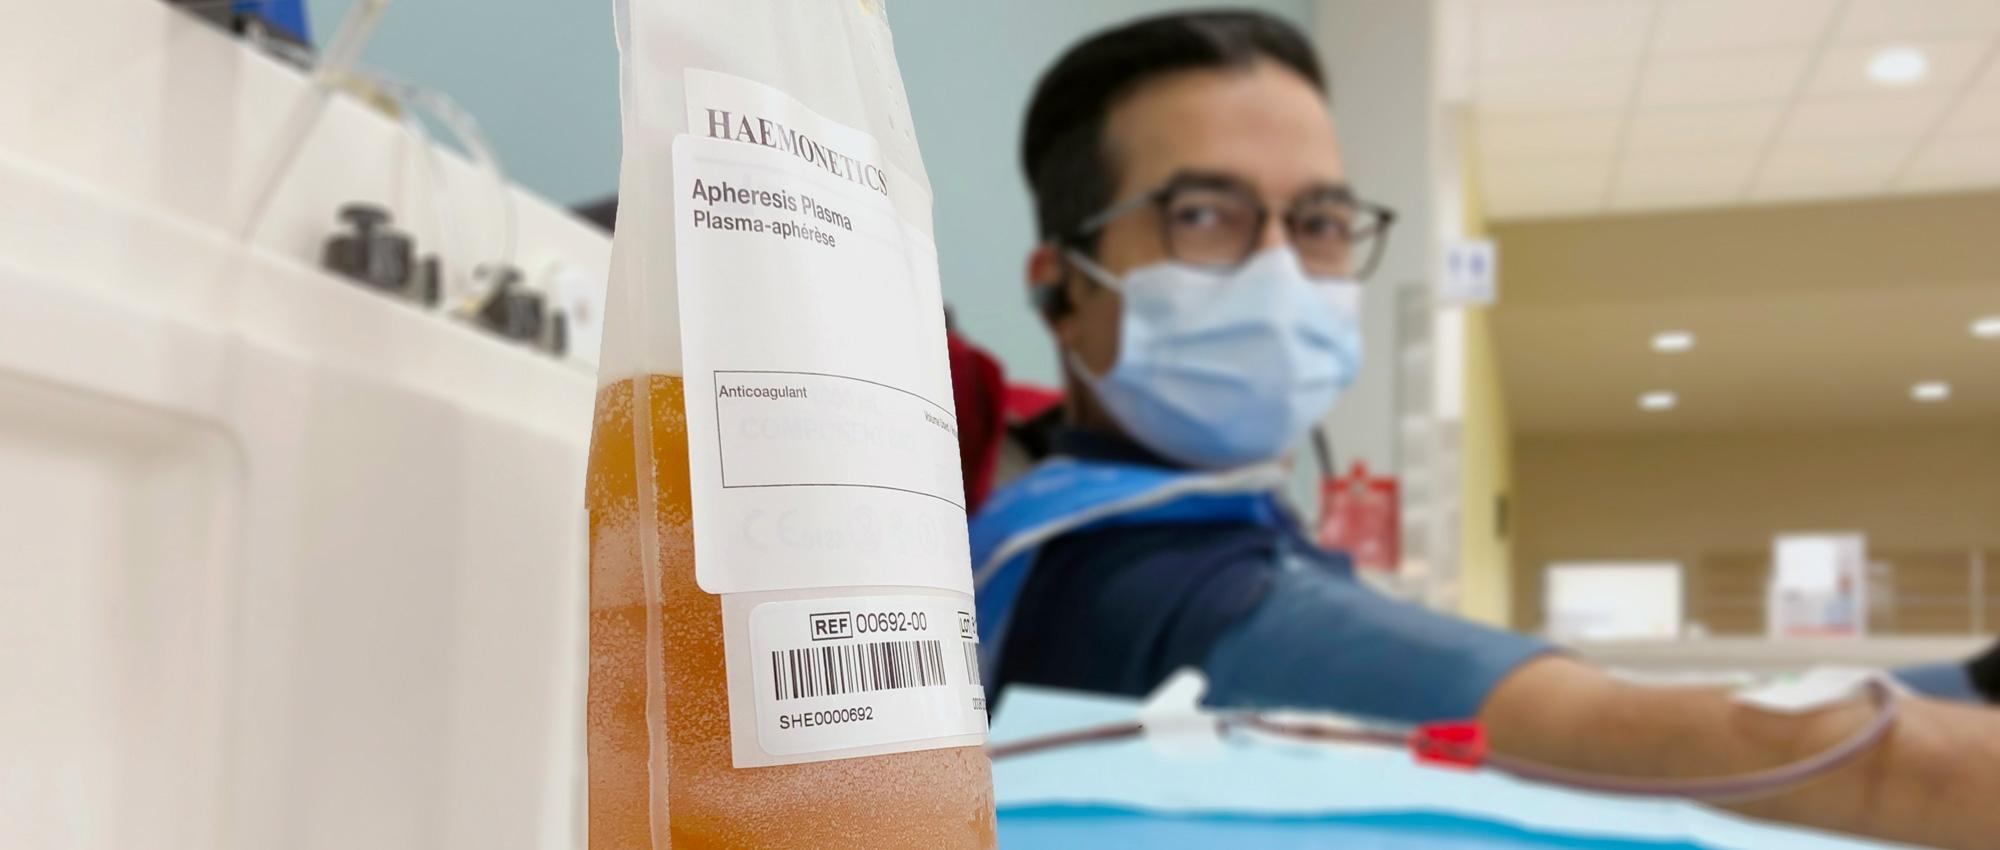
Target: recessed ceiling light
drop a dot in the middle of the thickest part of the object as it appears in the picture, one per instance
(1672, 342)
(1658, 401)
(1986, 327)
(1898, 66)
(1931, 391)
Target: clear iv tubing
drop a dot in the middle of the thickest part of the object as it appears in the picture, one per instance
(1721, 789)
(445, 224)
(409, 98)
(342, 51)
(461, 125)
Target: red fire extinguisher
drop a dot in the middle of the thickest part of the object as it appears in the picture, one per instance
(1359, 513)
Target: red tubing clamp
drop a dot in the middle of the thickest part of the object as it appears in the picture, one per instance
(1458, 744)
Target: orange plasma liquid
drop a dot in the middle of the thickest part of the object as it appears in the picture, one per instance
(929, 799)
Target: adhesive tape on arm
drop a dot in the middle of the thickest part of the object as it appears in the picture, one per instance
(1815, 689)
(1176, 727)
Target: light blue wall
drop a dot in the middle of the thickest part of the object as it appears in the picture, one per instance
(541, 77)
(969, 68)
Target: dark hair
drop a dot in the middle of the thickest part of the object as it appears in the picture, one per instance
(1062, 146)
(1985, 672)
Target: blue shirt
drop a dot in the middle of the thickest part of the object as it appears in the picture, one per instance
(1274, 620)
(1119, 609)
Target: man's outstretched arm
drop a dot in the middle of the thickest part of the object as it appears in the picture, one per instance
(1934, 780)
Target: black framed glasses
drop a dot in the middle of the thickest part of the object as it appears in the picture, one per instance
(1216, 221)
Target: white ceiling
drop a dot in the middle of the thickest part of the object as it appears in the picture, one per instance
(1807, 316)
(1580, 107)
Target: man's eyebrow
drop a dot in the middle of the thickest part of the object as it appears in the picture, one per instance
(1328, 191)
(1331, 190)
(1207, 179)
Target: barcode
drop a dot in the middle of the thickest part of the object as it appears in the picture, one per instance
(856, 668)
(971, 661)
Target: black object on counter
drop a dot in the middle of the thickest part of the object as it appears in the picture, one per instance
(513, 310)
(371, 252)
(429, 286)
(557, 342)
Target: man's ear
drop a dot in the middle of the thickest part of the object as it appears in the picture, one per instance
(1046, 290)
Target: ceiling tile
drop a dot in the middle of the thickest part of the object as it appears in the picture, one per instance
(1571, 87)
(1977, 112)
(1955, 162)
(1724, 78)
(1792, 161)
(1844, 70)
(1821, 169)
(1512, 36)
(1544, 186)
(1813, 190)
(1697, 26)
(1584, 106)
(1678, 128)
(1524, 5)
(1990, 79)
(1550, 134)
(1547, 174)
(1546, 207)
(1652, 180)
(1678, 198)
(1874, 20)
(1879, 116)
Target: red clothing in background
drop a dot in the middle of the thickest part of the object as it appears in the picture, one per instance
(979, 390)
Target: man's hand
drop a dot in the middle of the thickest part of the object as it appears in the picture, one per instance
(1933, 780)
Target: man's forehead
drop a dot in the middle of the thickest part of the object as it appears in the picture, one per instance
(1263, 125)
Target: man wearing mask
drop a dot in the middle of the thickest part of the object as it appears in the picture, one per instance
(1199, 273)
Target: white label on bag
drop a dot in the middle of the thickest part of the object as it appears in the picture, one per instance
(822, 439)
(859, 671)
(821, 432)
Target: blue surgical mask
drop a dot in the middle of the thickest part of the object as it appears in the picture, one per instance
(1218, 369)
